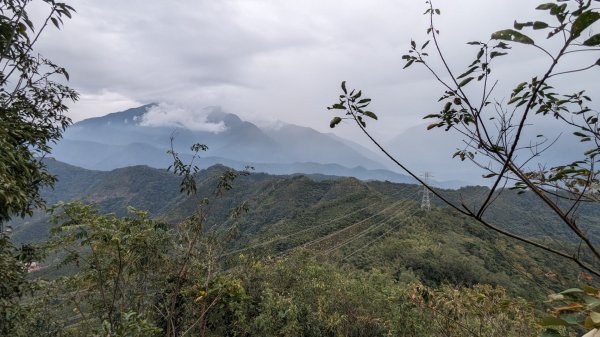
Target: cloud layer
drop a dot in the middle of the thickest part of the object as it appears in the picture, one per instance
(269, 60)
(170, 115)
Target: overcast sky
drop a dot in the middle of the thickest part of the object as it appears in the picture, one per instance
(269, 60)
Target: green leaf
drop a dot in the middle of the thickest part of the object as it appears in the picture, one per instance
(466, 73)
(480, 53)
(572, 291)
(520, 26)
(592, 41)
(335, 121)
(502, 45)
(585, 20)
(465, 82)
(595, 317)
(540, 25)
(364, 100)
(364, 125)
(572, 319)
(447, 106)
(551, 320)
(535, 25)
(558, 11)
(551, 333)
(546, 6)
(512, 35)
(591, 301)
(370, 114)
(344, 87)
(496, 54)
(55, 22)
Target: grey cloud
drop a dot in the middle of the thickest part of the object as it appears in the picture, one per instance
(273, 59)
(169, 115)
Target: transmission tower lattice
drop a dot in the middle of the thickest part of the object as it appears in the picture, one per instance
(426, 200)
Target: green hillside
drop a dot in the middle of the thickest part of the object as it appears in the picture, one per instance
(305, 256)
(344, 221)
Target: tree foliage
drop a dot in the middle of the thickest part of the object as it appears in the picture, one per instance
(32, 106)
(32, 103)
(495, 131)
(14, 284)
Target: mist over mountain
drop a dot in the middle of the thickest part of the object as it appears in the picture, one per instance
(142, 136)
(436, 147)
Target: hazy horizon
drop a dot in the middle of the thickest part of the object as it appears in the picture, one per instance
(267, 60)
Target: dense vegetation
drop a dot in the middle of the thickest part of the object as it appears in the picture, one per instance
(300, 256)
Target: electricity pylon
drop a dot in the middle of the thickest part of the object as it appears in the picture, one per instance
(426, 200)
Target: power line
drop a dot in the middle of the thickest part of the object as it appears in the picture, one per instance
(320, 239)
(351, 226)
(264, 243)
(377, 238)
(393, 216)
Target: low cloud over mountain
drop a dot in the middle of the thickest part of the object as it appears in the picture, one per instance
(142, 136)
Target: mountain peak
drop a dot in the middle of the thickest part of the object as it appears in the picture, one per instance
(141, 136)
(122, 117)
(217, 115)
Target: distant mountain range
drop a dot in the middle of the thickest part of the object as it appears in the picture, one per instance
(436, 147)
(133, 137)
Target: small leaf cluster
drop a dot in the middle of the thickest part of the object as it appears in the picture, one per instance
(226, 179)
(186, 171)
(572, 23)
(15, 283)
(457, 109)
(573, 309)
(354, 105)
(481, 310)
(415, 55)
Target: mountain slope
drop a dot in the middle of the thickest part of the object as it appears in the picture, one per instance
(237, 140)
(366, 224)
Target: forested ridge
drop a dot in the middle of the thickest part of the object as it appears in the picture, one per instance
(304, 256)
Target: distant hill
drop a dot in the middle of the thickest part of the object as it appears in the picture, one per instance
(157, 191)
(131, 137)
(389, 230)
